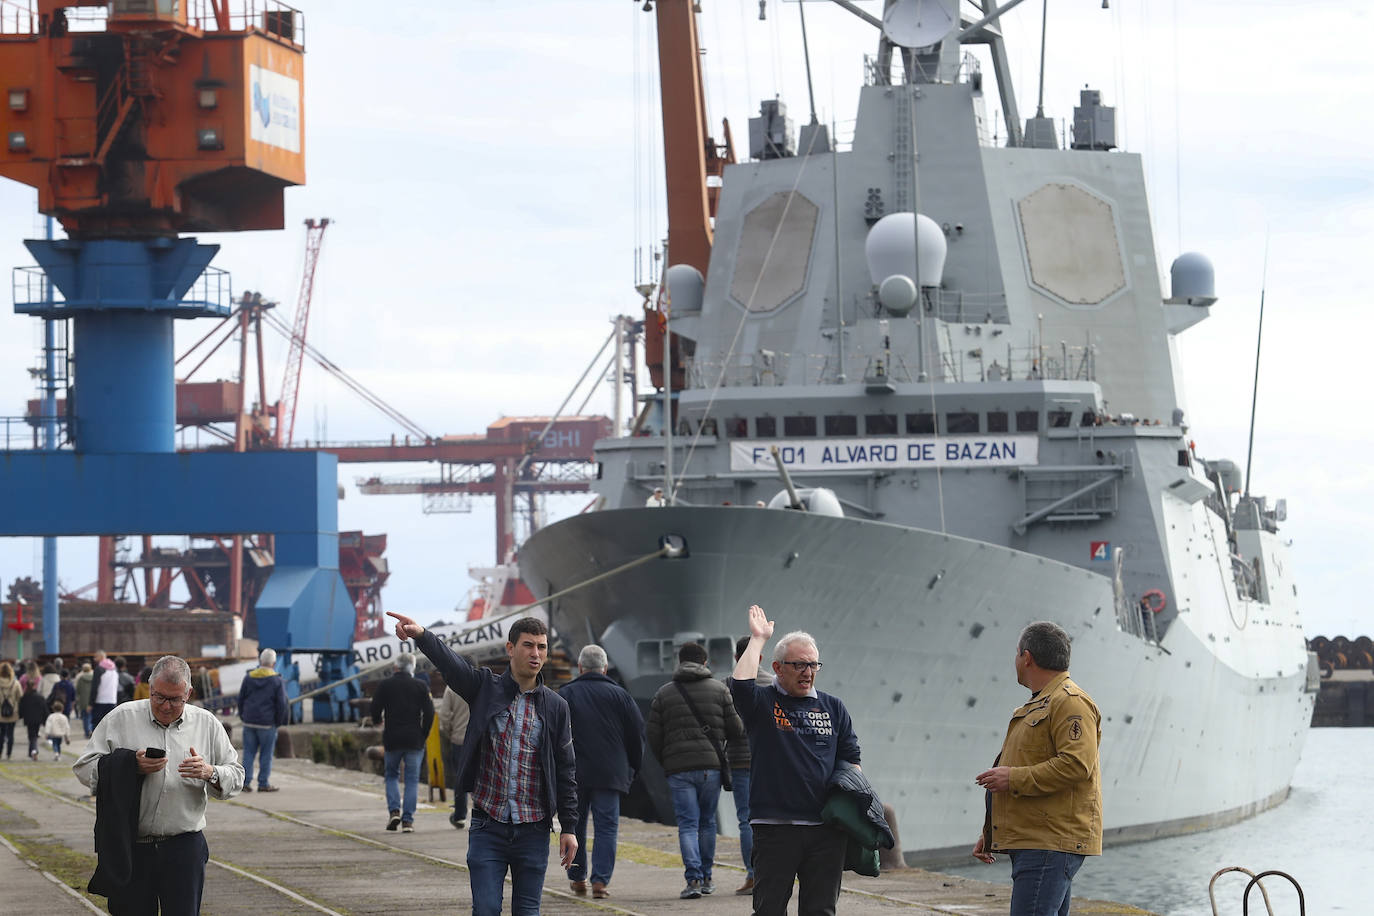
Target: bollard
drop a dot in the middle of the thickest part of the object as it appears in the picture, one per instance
(891, 859)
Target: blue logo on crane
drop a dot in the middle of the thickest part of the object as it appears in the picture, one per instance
(262, 104)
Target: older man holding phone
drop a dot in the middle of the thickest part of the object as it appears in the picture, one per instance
(149, 738)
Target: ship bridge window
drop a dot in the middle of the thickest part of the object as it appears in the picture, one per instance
(880, 424)
(997, 421)
(842, 425)
(1027, 421)
(799, 426)
(765, 427)
(708, 427)
(961, 421)
(736, 427)
(1060, 419)
(920, 423)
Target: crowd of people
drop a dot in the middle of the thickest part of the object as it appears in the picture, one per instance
(521, 756)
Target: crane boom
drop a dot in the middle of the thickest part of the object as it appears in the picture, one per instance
(291, 384)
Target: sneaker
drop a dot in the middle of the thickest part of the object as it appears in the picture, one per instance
(708, 888)
(691, 892)
(458, 823)
(247, 787)
(746, 889)
(578, 887)
(267, 788)
(599, 891)
(57, 755)
(407, 827)
(394, 820)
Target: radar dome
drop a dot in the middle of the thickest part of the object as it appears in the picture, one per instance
(1193, 279)
(684, 287)
(899, 244)
(817, 500)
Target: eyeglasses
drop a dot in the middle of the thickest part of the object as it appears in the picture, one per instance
(168, 701)
(804, 666)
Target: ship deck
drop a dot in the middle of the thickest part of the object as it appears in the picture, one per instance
(318, 846)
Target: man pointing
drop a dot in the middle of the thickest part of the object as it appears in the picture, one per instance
(517, 763)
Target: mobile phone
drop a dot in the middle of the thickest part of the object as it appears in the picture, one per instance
(154, 752)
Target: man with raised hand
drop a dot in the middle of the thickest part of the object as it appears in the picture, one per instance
(517, 763)
(798, 735)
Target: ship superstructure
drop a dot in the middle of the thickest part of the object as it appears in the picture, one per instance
(968, 345)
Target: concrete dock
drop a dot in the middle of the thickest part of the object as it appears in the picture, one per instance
(318, 846)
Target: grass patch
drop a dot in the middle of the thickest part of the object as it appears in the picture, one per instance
(70, 867)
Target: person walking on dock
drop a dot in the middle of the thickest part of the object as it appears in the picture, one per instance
(104, 688)
(406, 710)
(517, 762)
(83, 697)
(741, 760)
(1045, 788)
(453, 727)
(10, 695)
(263, 709)
(34, 711)
(798, 736)
(169, 851)
(690, 720)
(57, 728)
(608, 738)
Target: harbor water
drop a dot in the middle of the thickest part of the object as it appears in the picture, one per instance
(1322, 835)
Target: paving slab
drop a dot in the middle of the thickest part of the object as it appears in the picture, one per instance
(320, 846)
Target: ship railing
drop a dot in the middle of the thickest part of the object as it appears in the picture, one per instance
(895, 72)
(25, 434)
(977, 362)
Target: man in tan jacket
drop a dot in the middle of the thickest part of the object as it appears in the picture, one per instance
(1045, 788)
(453, 725)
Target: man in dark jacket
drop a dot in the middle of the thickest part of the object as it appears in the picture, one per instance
(406, 710)
(608, 736)
(689, 743)
(517, 762)
(798, 737)
(263, 709)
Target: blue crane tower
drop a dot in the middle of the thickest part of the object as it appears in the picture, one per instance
(166, 121)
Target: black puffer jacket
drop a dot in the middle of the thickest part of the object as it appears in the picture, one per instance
(673, 732)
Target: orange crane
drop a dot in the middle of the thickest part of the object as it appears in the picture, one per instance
(291, 383)
(690, 155)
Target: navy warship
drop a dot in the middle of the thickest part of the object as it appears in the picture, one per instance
(922, 390)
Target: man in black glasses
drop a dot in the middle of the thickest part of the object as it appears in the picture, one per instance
(797, 735)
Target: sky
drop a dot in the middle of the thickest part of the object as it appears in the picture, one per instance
(493, 172)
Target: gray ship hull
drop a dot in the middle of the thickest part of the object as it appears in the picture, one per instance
(917, 631)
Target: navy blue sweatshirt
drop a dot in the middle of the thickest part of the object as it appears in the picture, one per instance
(796, 742)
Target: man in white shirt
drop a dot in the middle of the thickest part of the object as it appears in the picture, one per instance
(170, 852)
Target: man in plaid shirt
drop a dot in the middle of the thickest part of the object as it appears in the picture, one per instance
(517, 762)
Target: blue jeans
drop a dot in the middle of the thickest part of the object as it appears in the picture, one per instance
(493, 847)
(739, 776)
(413, 760)
(604, 805)
(695, 794)
(260, 743)
(1042, 881)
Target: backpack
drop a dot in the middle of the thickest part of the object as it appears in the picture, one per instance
(6, 708)
(58, 695)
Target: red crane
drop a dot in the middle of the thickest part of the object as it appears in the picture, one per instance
(291, 384)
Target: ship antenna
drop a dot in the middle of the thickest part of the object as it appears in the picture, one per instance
(1259, 340)
(806, 53)
(1044, 23)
